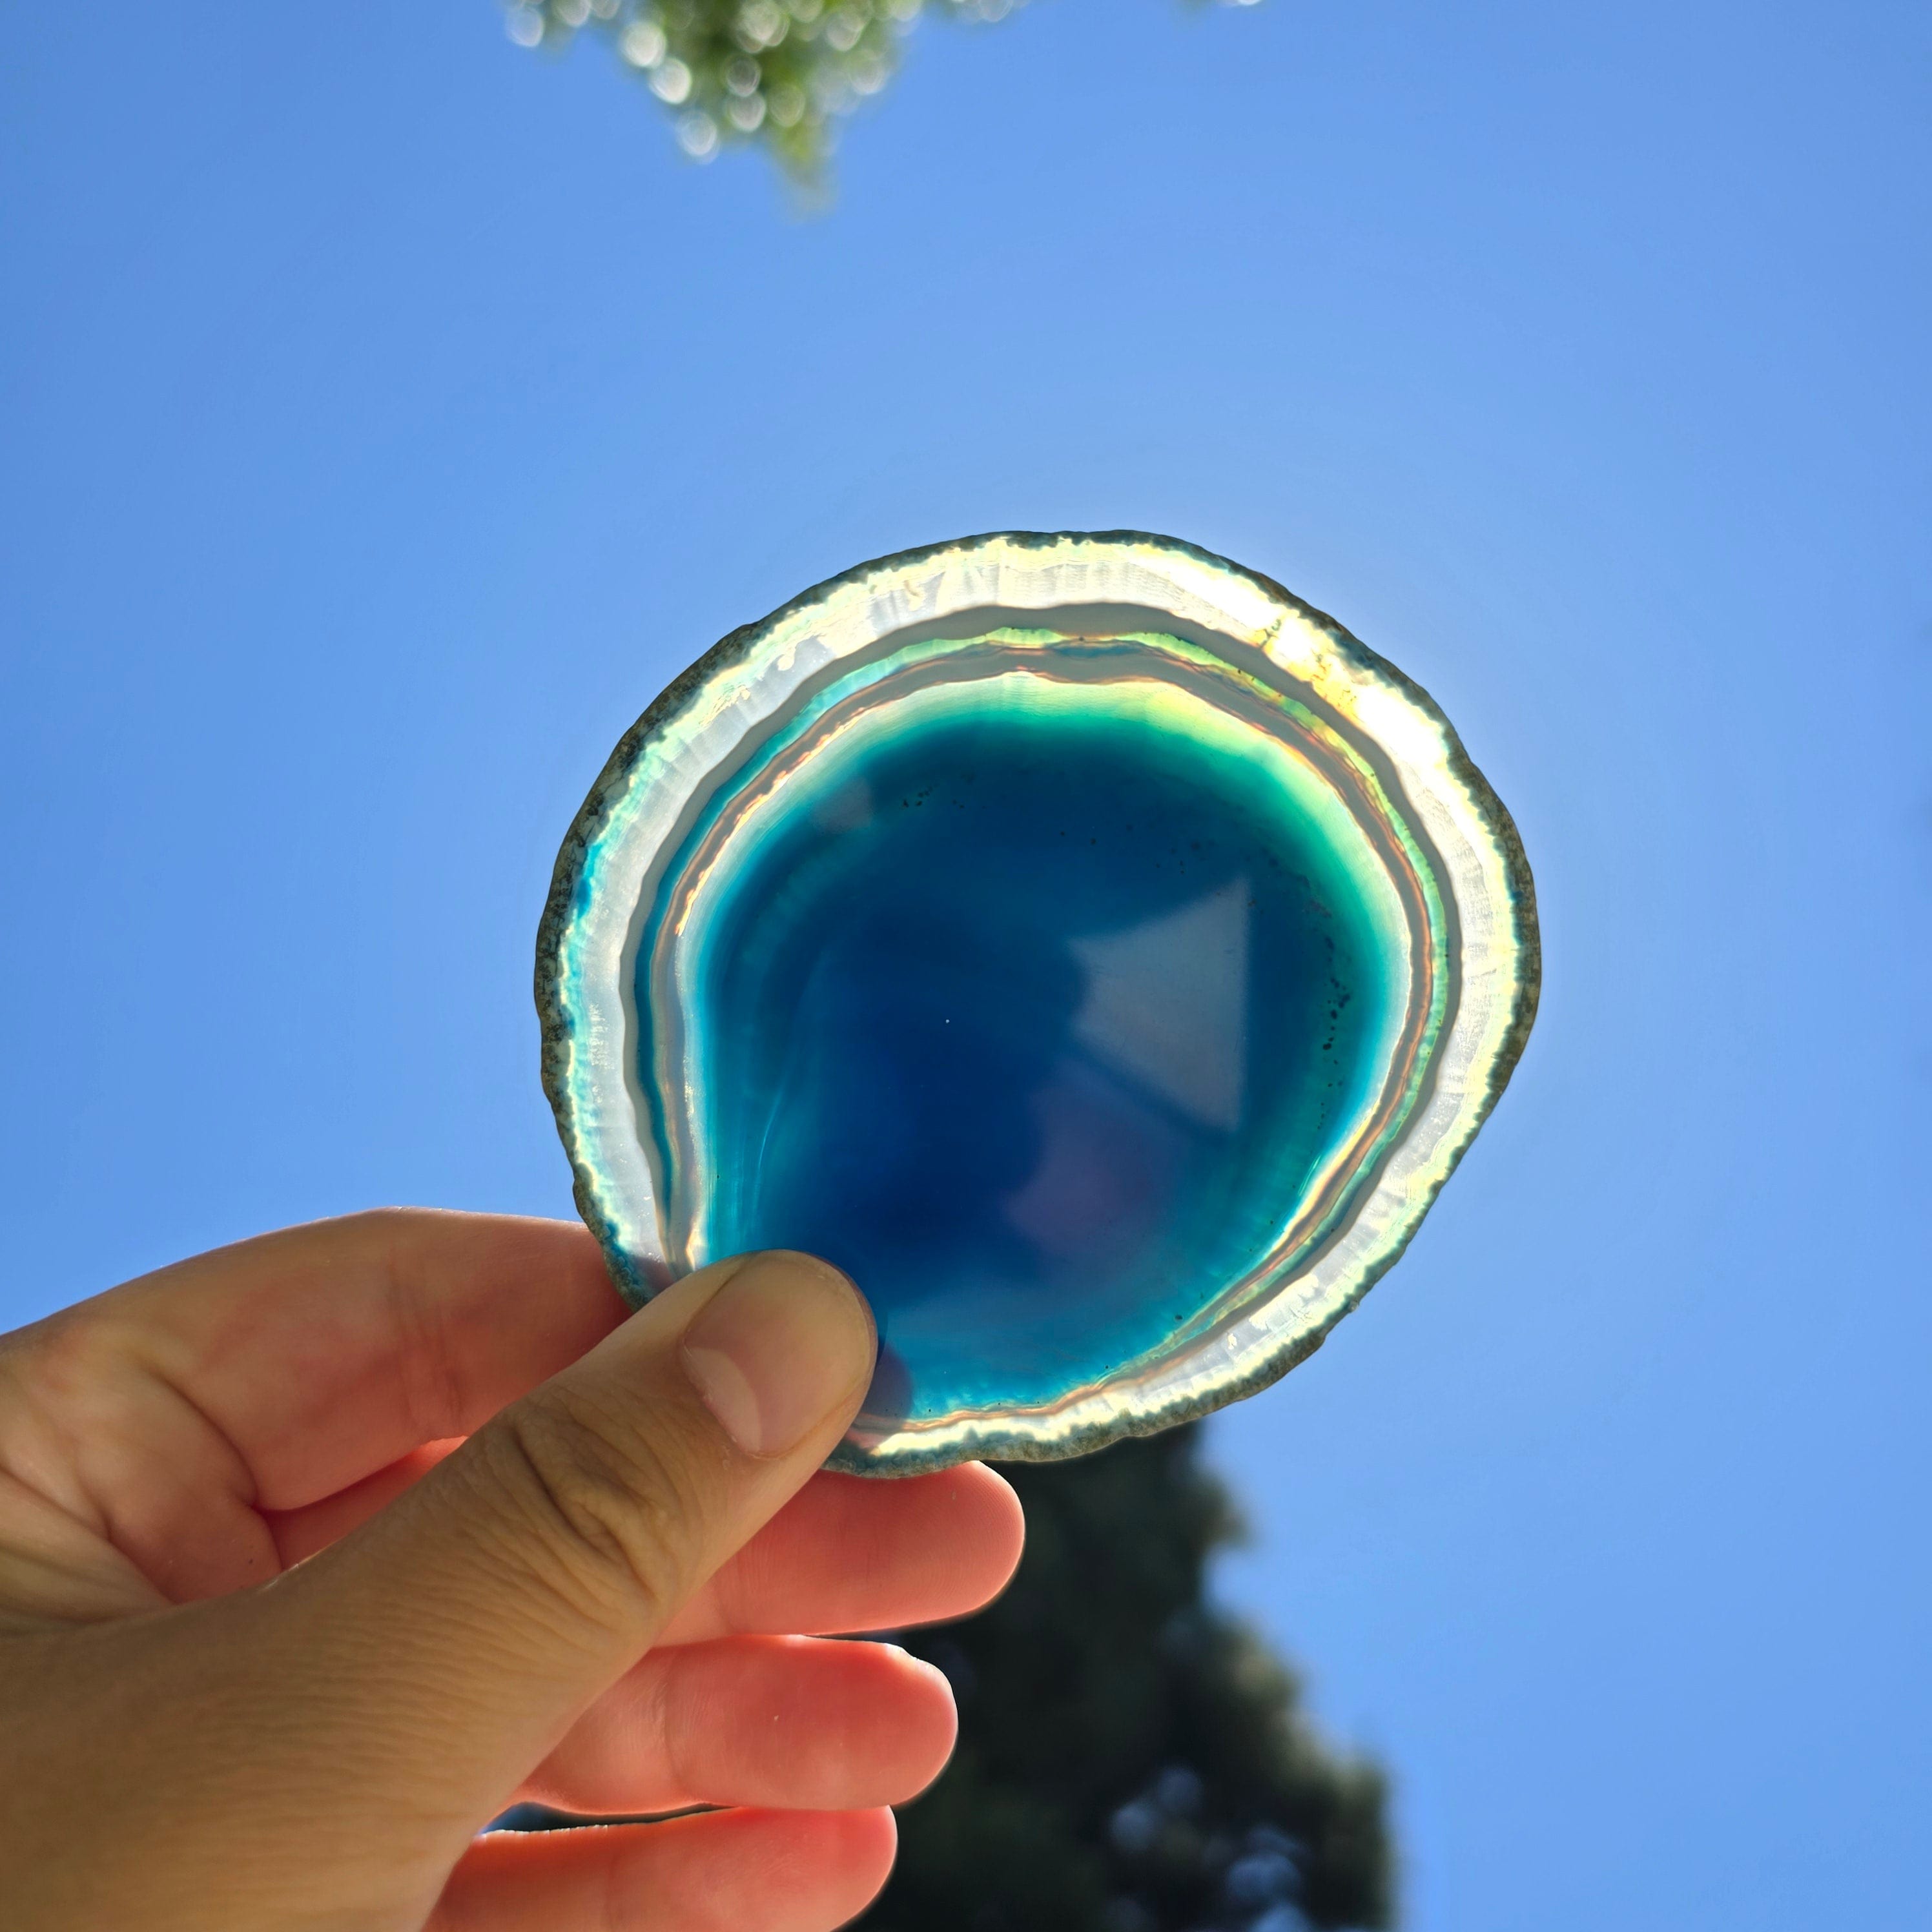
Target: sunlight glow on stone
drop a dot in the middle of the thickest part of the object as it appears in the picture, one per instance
(1098, 954)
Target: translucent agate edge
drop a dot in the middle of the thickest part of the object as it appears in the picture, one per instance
(644, 801)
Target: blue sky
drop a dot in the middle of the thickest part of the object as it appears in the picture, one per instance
(389, 413)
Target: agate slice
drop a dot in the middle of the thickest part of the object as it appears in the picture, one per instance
(1092, 949)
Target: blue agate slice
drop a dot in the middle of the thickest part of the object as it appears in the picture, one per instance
(1098, 954)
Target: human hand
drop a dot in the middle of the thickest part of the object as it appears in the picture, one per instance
(272, 1652)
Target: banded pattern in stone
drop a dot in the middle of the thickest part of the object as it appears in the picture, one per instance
(1097, 953)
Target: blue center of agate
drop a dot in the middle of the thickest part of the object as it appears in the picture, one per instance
(1041, 1027)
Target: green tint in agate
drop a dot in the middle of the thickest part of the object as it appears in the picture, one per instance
(1078, 971)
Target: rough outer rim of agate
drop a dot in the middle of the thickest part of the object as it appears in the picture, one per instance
(582, 969)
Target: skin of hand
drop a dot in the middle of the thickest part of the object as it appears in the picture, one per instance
(319, 1551)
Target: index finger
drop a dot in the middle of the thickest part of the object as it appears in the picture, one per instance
(321, 1353)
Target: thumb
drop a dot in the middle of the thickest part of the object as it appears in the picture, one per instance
(462, 1630)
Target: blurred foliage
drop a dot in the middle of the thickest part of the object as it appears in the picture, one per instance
(1131, 1759)
(776, 73)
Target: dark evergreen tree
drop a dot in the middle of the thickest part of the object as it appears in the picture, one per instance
(1131, 1758)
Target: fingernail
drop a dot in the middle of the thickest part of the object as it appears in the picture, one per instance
(782, 1344)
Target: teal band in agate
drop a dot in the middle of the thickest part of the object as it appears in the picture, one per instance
(1138, 627)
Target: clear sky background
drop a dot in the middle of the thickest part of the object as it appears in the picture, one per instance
(387, 413)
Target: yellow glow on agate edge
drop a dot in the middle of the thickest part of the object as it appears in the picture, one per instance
(1498, 922)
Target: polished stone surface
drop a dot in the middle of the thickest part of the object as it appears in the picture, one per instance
(1082, 975)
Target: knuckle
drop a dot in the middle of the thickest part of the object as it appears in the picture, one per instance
(65, 1386)
(60, 1355)
(611, 1512)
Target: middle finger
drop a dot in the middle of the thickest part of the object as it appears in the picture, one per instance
(793, 1723)
(850, 1553)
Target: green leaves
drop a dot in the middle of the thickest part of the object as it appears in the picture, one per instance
(776, 73)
